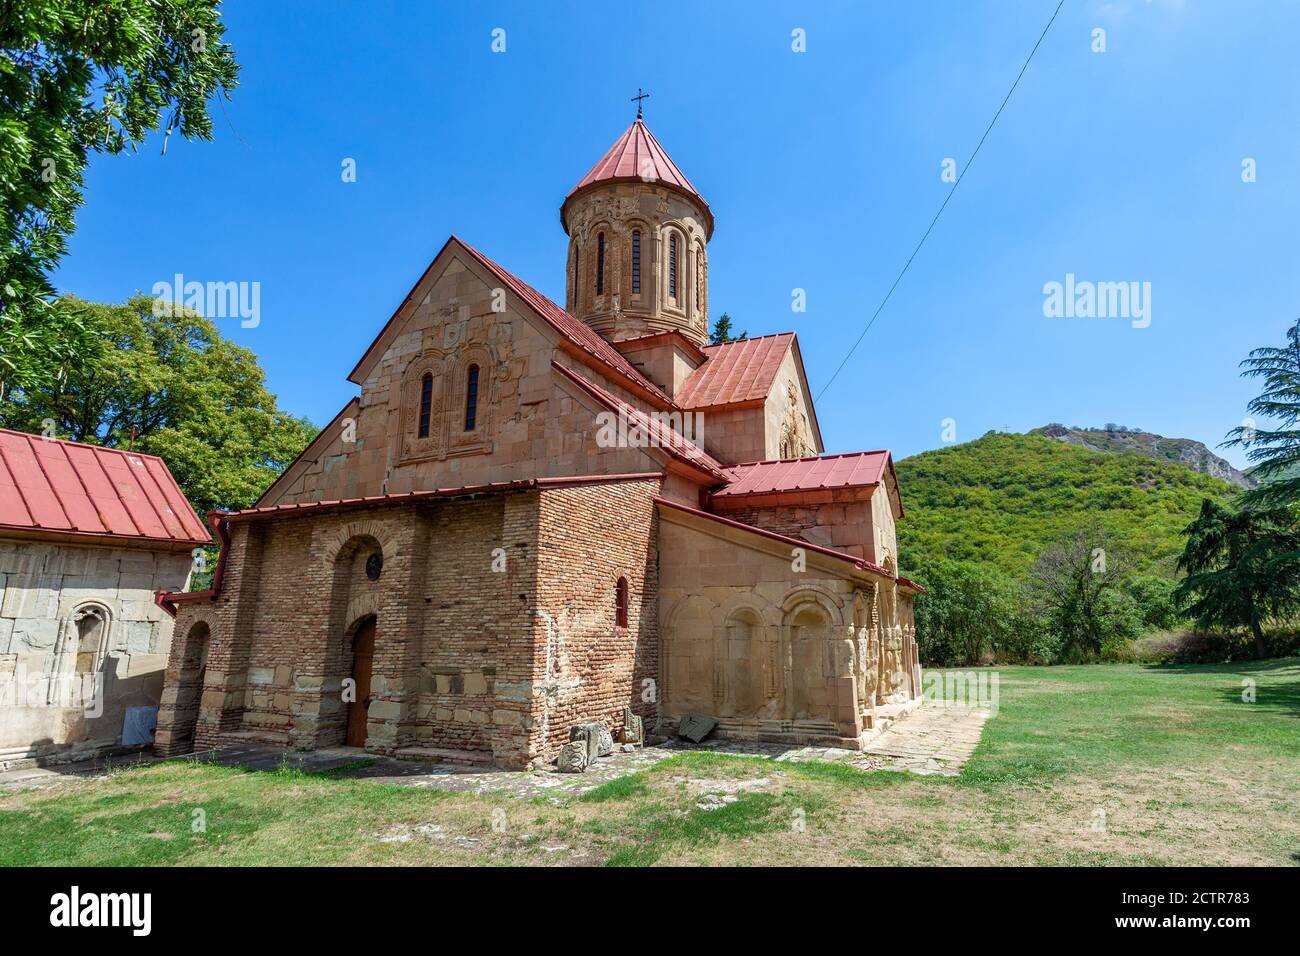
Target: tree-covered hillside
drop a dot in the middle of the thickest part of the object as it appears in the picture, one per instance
(1001, 499)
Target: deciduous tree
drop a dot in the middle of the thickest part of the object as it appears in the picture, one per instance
(79, 77)
(174, 387)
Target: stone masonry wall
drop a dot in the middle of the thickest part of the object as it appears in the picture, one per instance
(44, 589)
(843, 525)
(529, 423)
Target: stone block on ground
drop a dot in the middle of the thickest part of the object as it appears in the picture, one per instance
(597, 732)
(573, 757)
(633, 729)
(695, 727)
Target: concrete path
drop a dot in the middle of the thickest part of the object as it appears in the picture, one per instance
(933, 739)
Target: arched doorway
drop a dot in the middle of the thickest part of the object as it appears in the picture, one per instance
(363, 656)
(189, 686)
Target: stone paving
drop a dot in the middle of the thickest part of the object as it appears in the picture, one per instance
(934, 739)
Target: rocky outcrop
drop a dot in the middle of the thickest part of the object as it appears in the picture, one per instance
(1183, 451)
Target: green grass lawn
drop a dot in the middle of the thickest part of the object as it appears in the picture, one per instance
(1082, 765)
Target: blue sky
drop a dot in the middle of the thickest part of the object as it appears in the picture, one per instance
(822, 169)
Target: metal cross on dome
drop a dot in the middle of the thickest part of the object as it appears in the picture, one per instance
(637, 100)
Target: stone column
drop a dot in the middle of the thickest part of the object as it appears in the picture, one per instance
(845, 711)
(394, 679)
(787, 671)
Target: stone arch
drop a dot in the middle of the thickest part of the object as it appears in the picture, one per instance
(353, 597)
(80, 654)
(809, 623)
(686, 656)
(752, 663)
(191, 661)
(433, 362)
(645, 259)
(591, 266)
(360, 606)
(332, 544)
(460, 441)
(830, 603)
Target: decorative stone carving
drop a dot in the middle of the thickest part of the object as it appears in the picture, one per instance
(597, 731)
(633, 731)
(447, 436)
(573, 757)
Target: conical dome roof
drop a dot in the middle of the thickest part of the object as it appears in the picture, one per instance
(637, 155)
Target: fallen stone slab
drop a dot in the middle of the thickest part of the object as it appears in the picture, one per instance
(695, 727)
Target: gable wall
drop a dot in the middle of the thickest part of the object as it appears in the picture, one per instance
(529, 423)
(786, 413)
(734, 435)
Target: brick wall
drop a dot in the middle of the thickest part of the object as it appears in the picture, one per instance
(475, 597)
(590, 536)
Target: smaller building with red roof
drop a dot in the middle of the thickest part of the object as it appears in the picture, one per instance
(88, 535)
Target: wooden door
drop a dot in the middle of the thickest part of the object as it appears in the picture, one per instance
(363, 653)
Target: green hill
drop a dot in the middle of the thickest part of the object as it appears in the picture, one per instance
(1000, 499)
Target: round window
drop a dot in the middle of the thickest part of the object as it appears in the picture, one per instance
(374, 565)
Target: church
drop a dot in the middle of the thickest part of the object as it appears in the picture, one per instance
(534, 516)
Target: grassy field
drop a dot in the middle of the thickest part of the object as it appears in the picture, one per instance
(1107, 764)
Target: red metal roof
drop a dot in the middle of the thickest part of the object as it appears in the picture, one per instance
(637, 155)
(661, 435)
(733, 372)
(856, 470)
(65, 487)
(462, 491)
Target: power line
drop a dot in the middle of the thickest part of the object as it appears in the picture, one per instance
(930, 228)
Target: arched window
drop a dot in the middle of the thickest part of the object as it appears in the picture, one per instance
(426, 403)
(90, 626)
(600, 263)
(620, 603)
(672, 266)
(577, 276)
(471, 398)
(636, 261)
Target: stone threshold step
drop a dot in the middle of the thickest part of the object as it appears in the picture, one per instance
(462, 758)
(57, 758)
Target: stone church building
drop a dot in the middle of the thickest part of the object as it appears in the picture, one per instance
(533, 516)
